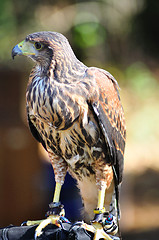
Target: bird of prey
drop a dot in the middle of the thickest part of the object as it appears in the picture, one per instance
(75, 112)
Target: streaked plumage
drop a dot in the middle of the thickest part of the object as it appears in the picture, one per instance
(76, 113)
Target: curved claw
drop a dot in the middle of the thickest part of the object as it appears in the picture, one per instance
(31, 223)
(52, 219)
(98, 231)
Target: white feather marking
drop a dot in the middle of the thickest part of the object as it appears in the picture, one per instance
(85, 118)
(73, 160)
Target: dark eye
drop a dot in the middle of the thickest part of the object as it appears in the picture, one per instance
(38, 45)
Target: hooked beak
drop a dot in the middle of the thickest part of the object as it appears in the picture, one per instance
(23, 48)
(16, 51)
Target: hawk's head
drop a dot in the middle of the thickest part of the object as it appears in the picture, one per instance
(43, 46)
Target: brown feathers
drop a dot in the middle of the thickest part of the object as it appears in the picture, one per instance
(76, 113)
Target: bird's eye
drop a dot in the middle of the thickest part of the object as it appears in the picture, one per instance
(38, 45)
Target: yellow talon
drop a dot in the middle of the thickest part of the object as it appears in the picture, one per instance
(56, 211)
(98, 231)
(30, 223)
(52, 219)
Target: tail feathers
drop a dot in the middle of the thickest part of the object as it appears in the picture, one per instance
(114, 206)
(115, 209)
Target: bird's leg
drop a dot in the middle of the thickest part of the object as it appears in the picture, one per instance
(97, 226)
(103, 223)
(100, 205)
(54, 213)
(56, 210)
(56, 197)
(98, 218)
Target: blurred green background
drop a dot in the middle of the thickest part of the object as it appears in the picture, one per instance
(119, 36)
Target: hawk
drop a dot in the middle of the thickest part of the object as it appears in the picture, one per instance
(75, 112)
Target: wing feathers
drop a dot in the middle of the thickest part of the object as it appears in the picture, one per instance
(35, 133)
(108, 109)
